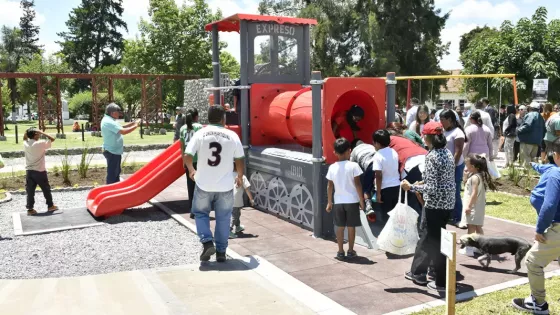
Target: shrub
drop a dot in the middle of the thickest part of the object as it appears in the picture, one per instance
(85, 161)
(81, 103)
(66, 167)
(56, 171)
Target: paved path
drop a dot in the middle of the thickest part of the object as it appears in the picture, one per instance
(371, 284)
(230, 288)
(18, 164)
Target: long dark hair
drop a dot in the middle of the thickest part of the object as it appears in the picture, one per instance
(425, 109)
(357, 111)
(437, 141)
(450, 115)
(396, 128)
(191, 117)
(479, 162)
(477, 118)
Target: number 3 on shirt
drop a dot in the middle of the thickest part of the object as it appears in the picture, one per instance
(216, 149)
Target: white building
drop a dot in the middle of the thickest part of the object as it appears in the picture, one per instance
(451, 93)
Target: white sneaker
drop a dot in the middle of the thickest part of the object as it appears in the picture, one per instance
(467, 251)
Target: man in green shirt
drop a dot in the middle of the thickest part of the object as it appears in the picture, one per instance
(185, 135)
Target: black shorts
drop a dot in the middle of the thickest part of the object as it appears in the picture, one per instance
(347, 214)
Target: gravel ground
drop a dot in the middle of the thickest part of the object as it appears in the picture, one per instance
(141, 238)
(18, 164)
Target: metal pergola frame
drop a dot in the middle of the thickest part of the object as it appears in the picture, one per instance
(49, 101)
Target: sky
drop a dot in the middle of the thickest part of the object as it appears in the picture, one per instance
(464, 16)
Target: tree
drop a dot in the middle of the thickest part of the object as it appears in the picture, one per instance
(174, 41)
(129, 90)
(49, 64)
(468, 37)
(529, 49)
(11, 51)
(370, 38)
(94, 36)
(29, 31)
(229, 64)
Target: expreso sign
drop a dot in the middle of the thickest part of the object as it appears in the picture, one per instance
(275, 29)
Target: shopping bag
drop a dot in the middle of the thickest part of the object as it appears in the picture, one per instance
(493, 170)
(400, 234)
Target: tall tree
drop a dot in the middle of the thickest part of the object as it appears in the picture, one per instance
(29, 31)
(529, 49)
(174, 41)
(11, 51)
(94, 36)
(468, 37)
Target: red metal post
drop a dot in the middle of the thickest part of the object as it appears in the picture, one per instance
(40, 107)
(1, 114)
(60, 120)
(408, 94)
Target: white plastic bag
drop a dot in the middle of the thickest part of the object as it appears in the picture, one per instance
(400, 234)
(493, 170)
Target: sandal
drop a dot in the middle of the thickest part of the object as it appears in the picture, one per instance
(52, 209)
(340, 255)
(351, 254)
(31, 212)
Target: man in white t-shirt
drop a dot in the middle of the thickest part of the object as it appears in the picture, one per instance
(35, 168)
(411, 112)
(216, 148)
(386, 167)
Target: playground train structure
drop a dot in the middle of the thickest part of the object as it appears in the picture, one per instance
(284, 113)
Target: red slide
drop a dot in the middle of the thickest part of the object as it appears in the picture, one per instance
(140, 187)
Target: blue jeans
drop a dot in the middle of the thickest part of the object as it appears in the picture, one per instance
(458, 211)
(113, 167)
(222, 204)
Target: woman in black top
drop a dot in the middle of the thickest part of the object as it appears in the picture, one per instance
(438, 192)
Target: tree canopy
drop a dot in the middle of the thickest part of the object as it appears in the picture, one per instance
(371, 38)
(530, 49)
(94, 36)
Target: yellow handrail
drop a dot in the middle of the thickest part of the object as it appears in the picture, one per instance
(456, 76)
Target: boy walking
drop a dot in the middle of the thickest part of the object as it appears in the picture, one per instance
(386, 167)
(35, 169)
(238, 190)
(344, 179)
(547, 236)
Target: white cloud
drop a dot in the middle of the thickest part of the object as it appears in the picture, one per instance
(10, 12)
(485, 10)
(453, 34)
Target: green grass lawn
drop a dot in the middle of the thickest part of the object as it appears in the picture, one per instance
(498, 303)
(509, 207)
(74, 139)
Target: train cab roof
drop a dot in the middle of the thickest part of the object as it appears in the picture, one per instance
(231, 24)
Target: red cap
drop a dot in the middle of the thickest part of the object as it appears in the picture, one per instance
(432, 128)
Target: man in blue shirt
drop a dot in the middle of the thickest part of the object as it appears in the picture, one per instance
(547, 235)
(113, 145)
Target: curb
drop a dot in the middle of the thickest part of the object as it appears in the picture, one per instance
(7, 199)
(17, 192)
(92, 150)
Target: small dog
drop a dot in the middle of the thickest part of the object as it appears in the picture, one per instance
(495, 245)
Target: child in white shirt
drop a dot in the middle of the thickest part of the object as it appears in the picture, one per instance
(344, 181)
(386, 167)
(236, 226)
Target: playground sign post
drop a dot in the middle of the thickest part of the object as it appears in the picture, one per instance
(448, 240)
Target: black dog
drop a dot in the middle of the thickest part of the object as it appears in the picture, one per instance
(495, 245)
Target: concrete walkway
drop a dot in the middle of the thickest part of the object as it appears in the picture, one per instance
(230, 288)
(18, 164)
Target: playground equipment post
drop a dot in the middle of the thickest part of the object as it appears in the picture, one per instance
(448, 248)
(317, 150)
(391, 83)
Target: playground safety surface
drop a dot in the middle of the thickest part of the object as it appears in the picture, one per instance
(371, 284)
(60, 220)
